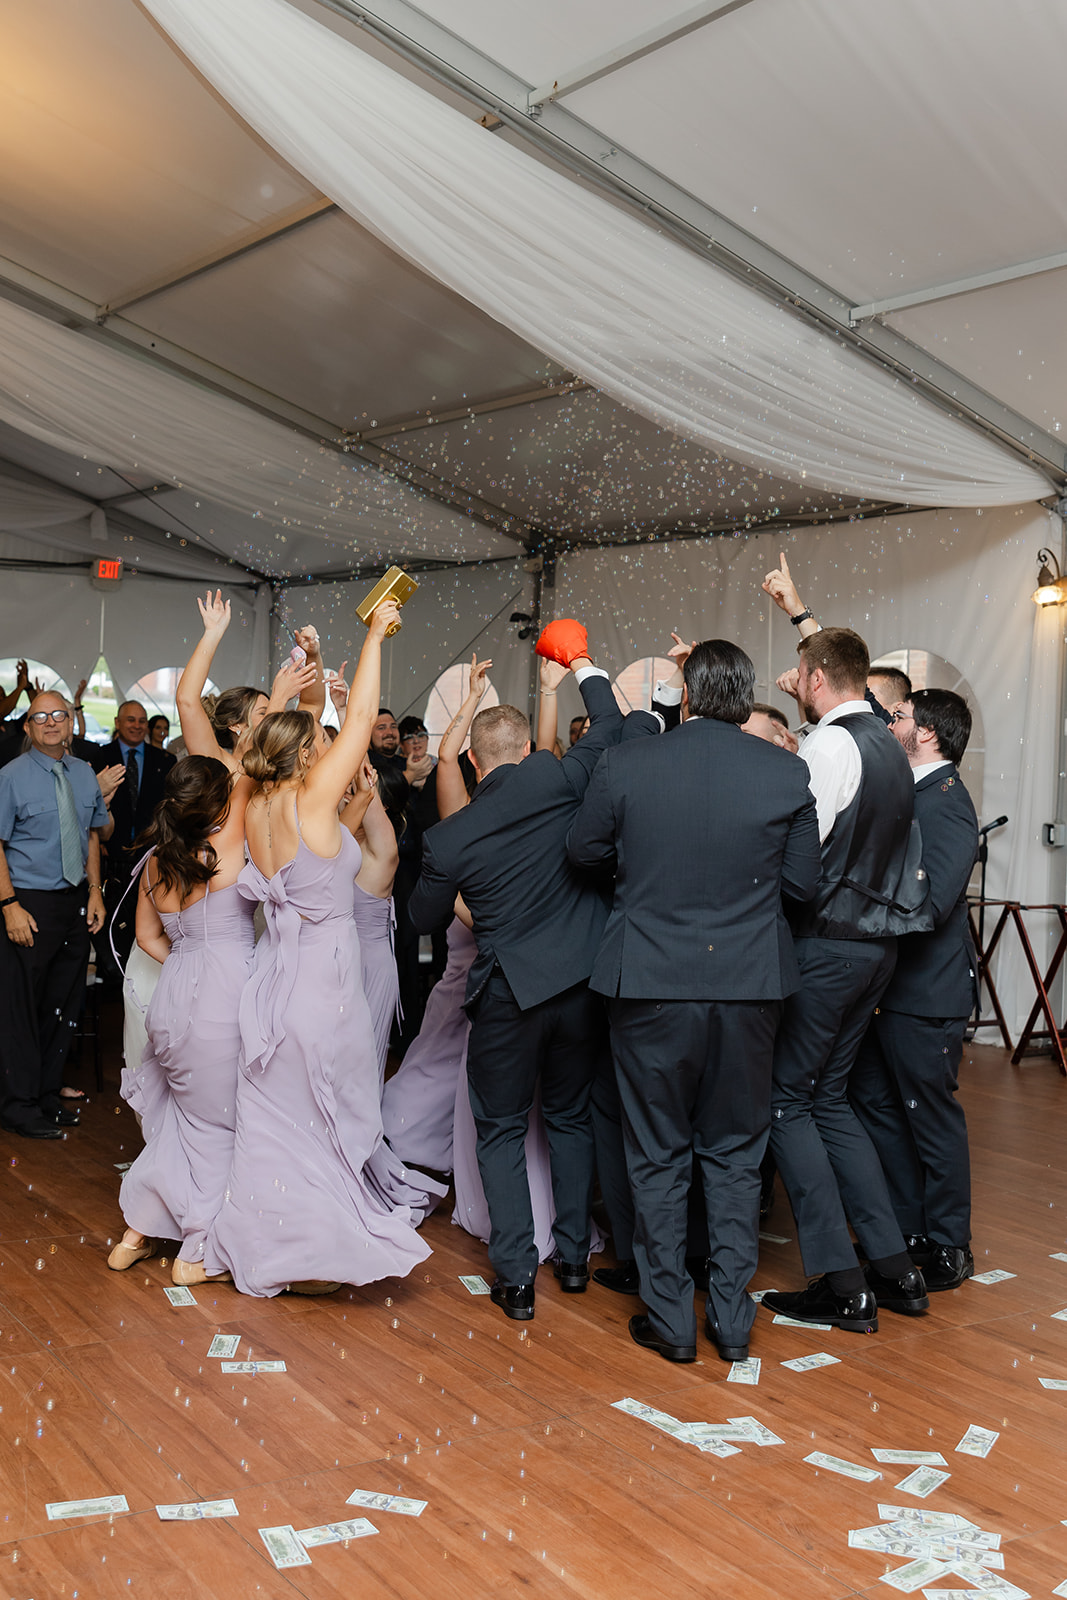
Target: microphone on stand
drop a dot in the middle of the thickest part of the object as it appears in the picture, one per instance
(999, 823)
(983, 862)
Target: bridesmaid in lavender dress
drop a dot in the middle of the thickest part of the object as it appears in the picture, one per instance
(191, 918)
(366, 820)
(314, 1198)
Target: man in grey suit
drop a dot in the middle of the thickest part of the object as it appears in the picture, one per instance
(706, 829)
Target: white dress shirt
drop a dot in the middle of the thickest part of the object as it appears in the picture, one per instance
(924, 769)
(834, 766)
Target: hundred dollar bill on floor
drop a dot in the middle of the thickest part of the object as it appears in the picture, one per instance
(386, 1502)
(998, 1588)
(474, 1283)
(225, 1345)
(977, 1441)
(335, 1532)
(963, 1562)
(124, 1166)
(847, 1469)
(283, 1546)
(1003, 1591)
(792, 1322)
(1053, 1383)
(656, 1419)
(746, 1371)
(999, 1276)
(915, 1575)
(925, 1519)
(911, 1458)
(1058, 1255)
(923, 1481)
(107, 1505)
(757, 1294)
(180, 1297)
(196, 1510)
(710, 1442)
(253, 1366)
(761, 1434)
(1061, 1588)
(809, 1363)
(1060, 1316)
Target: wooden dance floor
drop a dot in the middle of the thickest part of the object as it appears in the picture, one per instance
(534, 1484)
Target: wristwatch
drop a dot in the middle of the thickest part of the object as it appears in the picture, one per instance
(801, 616)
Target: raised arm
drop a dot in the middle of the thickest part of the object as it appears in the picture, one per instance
(197, 731)
(330, 776)
(313, 691)
(552, 675)
(783, 591)
(79, 713)
(381, 856)
(451, 790)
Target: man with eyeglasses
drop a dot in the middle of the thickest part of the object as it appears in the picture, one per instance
(52, 819)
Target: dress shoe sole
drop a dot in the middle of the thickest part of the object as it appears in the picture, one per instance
(905, 1308)
(630, 1286)
(516, 1313)
(51, 1132)
(954, 1283)
(571, 1287)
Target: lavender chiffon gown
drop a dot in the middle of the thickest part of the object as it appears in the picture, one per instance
(313, 1191)
(184, 1088)
(427, 1114)
(374, 925)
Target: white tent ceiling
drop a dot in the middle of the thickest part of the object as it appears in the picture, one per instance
(850, 151)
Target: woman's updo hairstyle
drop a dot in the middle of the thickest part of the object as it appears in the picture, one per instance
(274, 753)
(195, 800)
(233, 707)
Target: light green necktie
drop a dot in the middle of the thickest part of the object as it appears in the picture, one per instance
(70, 838)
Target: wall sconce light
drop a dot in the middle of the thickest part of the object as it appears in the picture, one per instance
(1051, 585)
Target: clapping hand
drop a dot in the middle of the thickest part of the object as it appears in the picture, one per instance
(80, 690)
(109, 779)
(214, 613)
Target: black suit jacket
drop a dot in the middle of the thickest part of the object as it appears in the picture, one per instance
(157, 763)
(935, 972)
(707, 827)
(534, 914)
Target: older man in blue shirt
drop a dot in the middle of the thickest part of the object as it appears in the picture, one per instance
(52, 816)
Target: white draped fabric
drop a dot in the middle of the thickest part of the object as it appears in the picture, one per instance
(91, 399)
(27, 505)
(629, 309)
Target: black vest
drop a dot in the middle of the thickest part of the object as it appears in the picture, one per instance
(873, 885)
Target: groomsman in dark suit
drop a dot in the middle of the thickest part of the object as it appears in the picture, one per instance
(903, 1087)
(132, 808)
(537, 923)
(705, 828)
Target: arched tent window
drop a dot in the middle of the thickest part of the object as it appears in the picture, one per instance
(446, 697)
(635, 683)
(156, 691)
(928, 670)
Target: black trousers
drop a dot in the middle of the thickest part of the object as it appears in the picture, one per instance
(827, 1162)
(556, 1044)
(42, 990)
(694, 1081)
(406, 951)
(903, 1089)
(120, 917)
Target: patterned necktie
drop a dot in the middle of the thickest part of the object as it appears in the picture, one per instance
(70, 839)
(133, 787)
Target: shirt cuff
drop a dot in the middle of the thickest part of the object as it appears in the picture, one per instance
(588, 672)
(667, 696)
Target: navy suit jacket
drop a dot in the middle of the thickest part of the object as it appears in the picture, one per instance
(533, 913)
(706, 827)
(157, 763)
(935, 972)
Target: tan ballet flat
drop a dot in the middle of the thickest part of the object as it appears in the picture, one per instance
(188, 1273)
(125, 1255)
(313, 1286)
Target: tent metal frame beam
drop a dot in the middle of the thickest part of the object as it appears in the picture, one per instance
(267, 233)
(477, 408)
(581, 148)
(634, 49)
(945, 291)
(24, 287)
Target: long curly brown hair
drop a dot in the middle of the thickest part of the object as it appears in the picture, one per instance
(195, 802)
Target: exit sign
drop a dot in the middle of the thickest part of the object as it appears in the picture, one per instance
(107, 572)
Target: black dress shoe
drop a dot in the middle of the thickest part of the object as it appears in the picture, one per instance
(516, 1300)
(948, 1267)
(699, 1269)
(643, 1333)
(63, 1119)
(907, 1294)
(856, 1313)
(573, 1277)
(727, 1352)
(622, 1277)
(40, 1129)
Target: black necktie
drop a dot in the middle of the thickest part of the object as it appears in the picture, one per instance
(133, 787)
